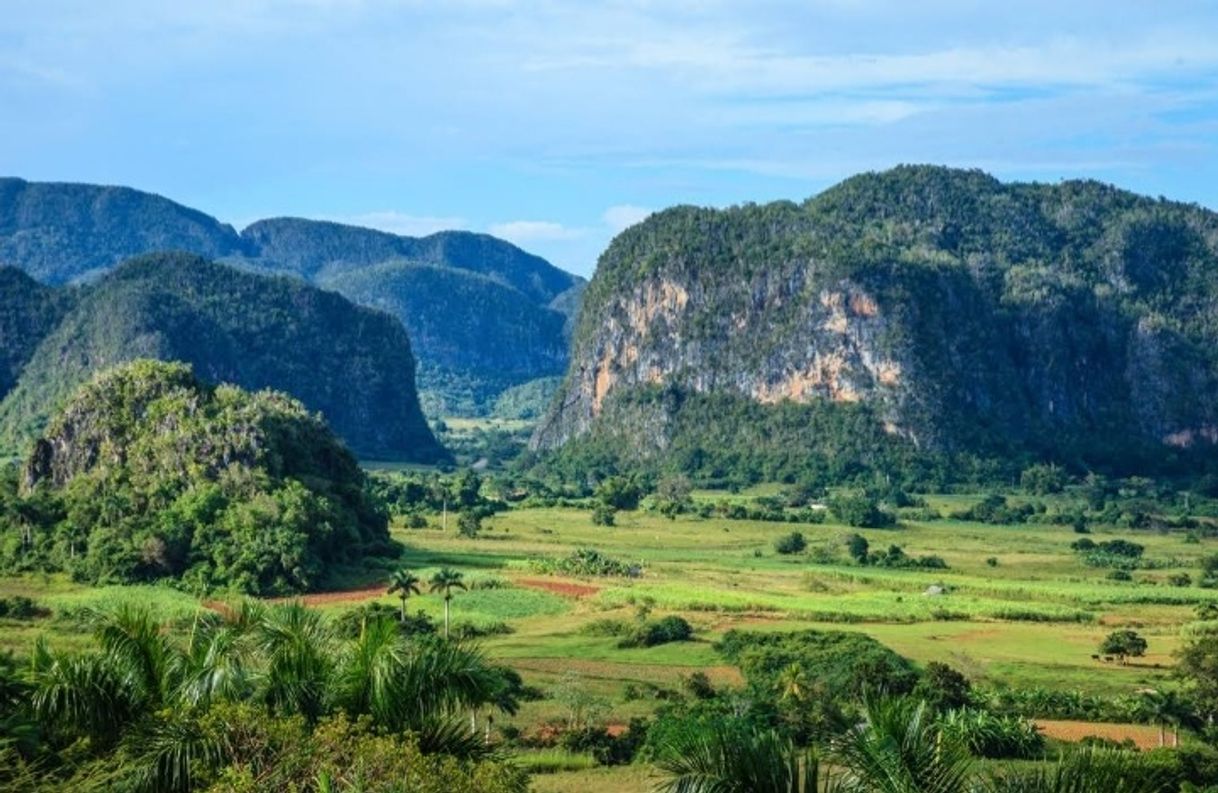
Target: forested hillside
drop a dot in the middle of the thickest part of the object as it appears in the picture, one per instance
(147, 473)
(938, 313)
(60, 232)
(506, 334)
(353, 365)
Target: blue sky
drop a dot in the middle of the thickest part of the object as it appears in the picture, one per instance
(556, 124)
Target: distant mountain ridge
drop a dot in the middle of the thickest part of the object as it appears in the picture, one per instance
(61, 233)
(352, 364)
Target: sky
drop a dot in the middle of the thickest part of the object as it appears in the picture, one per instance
(558, 124)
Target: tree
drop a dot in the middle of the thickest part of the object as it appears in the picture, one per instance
(857, 546)
(1124, 644)
(673, 495)
(943, 688)
(445, 581)
(619, 492)
(1197, 666)
(726, 757)
(1043, 479)
(405, 584)
(469, 523)
(861, 512)
(1162, 708)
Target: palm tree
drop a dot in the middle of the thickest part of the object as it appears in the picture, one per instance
(900, 749)
(446, 580)
(1161, 708)
(405, 583)
(729, 759)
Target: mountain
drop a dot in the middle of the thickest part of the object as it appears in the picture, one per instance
(61, 233)
(352, 364)
(165, 476)
(28, 312)
(922, 312)
(480, 335)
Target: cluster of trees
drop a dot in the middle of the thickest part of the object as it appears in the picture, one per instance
(840, 709)
(253, 697)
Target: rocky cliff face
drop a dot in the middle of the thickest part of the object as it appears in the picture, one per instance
(963, 313)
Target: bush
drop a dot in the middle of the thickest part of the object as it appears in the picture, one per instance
(603, 515)
(586, 561)
(943, 688)
(857, 546)
(861, 512)
(19, 607)
(348, 624)
(995, 509)
(416, 521)
(661, 631)
(1042, 479)
(469, 523)
(790, 543)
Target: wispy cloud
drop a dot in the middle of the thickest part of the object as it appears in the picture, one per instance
(402, 223)
(623, 216)
(523, 232)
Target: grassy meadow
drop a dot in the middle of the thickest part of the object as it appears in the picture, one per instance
(1018, 607)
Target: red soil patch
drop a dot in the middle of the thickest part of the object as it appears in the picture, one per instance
(564, 588)
(1144, 736)
(330, 598)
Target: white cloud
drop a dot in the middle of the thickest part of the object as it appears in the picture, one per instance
(623, 216)
(401, 223)
(526, 231)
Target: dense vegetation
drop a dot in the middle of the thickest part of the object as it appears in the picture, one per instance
(471, 332)
(908, 313)
(65, 232)
(147, 473)
(252, 698)
(351, 364)
(28, 312)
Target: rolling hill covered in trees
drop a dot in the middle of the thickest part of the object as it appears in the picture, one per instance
(352, 364)
(147, 473)
(920, 319)
(483, 324)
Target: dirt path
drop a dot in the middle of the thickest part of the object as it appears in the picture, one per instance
(564, 588)
(331, 598)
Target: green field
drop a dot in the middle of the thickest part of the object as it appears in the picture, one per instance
(1033, 618)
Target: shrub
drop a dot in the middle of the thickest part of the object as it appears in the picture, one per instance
(661, 631)
(699, 686)
(469, 523)
(991, 736)
(416, 521)
(619, 492)
(1042, 479)
(603, 515)
(861, 512)
(943, 688)
(790, 543)
(857, 546)
(351, 622)
(586, 561)
(20, 607)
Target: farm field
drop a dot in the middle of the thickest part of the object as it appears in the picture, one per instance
(1015, 609)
